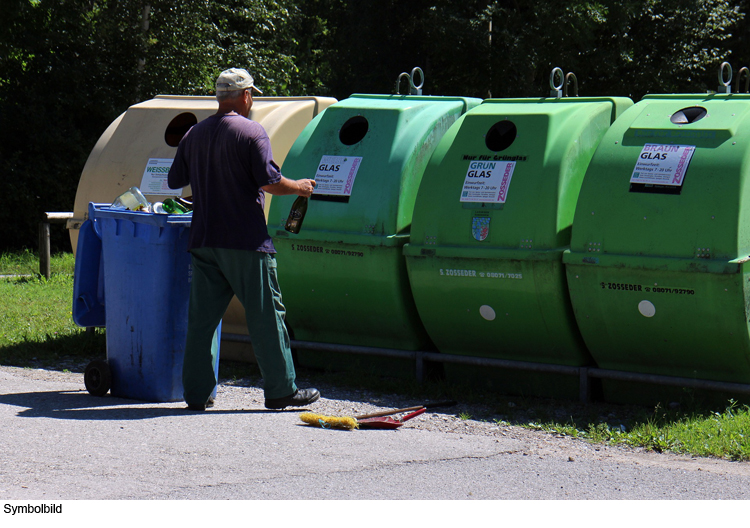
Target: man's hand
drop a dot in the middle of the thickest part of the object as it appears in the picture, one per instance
(305, 187)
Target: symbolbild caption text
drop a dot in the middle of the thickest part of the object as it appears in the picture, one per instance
(32, 508)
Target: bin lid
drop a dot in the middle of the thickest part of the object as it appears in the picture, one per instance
(88, 279)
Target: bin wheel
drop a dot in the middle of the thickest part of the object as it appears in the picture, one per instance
(97, 377)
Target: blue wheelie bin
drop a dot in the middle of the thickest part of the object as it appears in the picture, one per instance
(132, 276)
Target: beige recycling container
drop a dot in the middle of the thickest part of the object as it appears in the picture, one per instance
(139, 146)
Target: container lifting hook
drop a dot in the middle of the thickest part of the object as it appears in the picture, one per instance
(746, 72)
(413, 89)
(570, 76)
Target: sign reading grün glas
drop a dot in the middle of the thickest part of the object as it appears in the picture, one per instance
(487, 181)
(336, 174)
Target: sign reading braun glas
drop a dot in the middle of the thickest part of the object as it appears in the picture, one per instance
(662, 164)
(487, 181)
(336, 174)
(154, 179)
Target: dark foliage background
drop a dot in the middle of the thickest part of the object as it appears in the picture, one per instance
(68, 68)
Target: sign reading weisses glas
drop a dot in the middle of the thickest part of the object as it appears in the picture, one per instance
(487, 181)
(154, 180)
(662, 164)
(336, 174)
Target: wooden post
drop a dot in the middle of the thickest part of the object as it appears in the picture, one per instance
(44, 257)
(44, 245)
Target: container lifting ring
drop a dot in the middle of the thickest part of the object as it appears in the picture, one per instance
(725, 86)
(416, 90)
(556, 89)
(413, 89)
(746, 72)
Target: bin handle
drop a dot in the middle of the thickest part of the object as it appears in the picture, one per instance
(744, 70)
(86, 304)
(725, 86)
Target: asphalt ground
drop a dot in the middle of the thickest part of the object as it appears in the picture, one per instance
(60, 444)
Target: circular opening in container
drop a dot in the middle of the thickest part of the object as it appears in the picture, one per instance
(688, 115)
(178, 127)
(500, 136)
(354, 130)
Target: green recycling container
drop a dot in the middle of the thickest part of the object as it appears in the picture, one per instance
(491, 221)
(343, 275)
(658, 266)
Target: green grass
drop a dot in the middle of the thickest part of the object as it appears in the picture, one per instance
(36, 325)
(37, 330)
(723, 434)
(27, 263)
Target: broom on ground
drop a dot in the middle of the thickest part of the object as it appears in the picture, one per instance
(352, 422)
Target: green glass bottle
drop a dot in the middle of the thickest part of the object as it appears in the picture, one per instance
(296, 215)
(173, 207)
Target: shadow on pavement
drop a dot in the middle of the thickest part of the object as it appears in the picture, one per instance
(80, 405)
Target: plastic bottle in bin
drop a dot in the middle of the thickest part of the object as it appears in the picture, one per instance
(296, 215)
(133, 200)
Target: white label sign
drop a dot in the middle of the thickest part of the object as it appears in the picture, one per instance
(336, 174)
(662, 164)
(154, 180)
(487, 181)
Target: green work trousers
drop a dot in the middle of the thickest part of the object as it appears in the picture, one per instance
(217, 276)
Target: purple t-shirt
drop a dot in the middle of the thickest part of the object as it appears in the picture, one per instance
(226, 159)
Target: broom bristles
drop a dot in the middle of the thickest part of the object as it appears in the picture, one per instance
(327, 422)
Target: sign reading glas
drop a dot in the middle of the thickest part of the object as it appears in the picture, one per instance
(154, 180)
(662, 164)
(487, 181)
(336, 174)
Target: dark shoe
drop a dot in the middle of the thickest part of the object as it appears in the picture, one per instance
(201, 406)
(298, 399)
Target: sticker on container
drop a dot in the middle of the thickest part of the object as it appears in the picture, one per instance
(487, 312)
(487, 181)
(480, 227)
(646, 308)
(662, 164)
(154, 180)
(336, 174)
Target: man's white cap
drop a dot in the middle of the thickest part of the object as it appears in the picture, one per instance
(235, 79)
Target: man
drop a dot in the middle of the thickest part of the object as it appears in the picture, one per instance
(228, 163)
